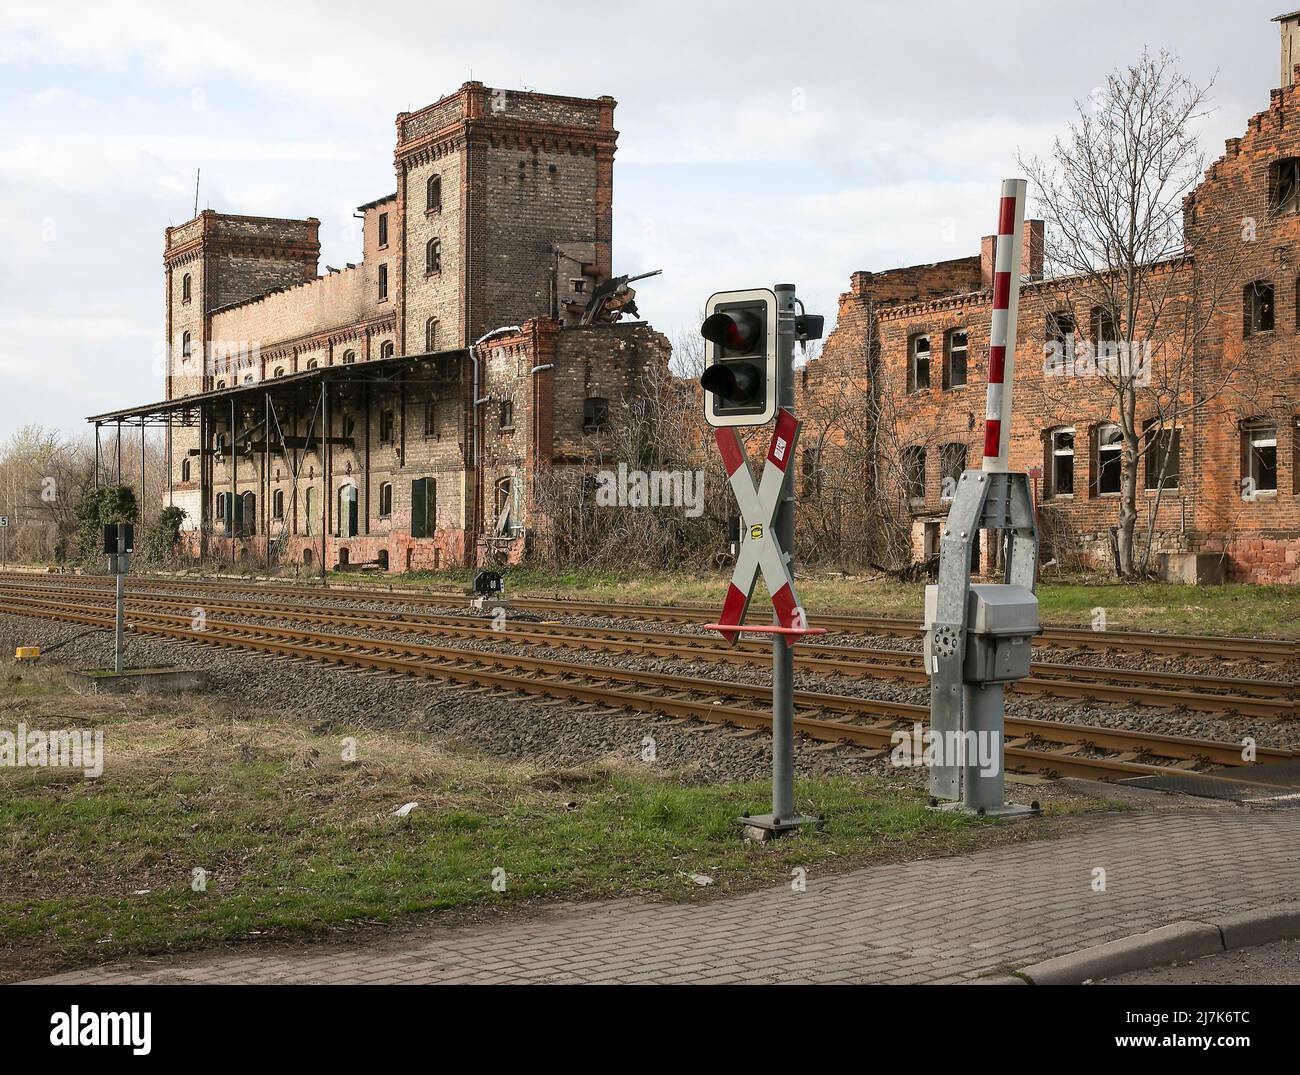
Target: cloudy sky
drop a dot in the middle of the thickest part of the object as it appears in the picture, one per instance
(759, 141)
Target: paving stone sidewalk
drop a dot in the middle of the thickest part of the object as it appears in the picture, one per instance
(942, 920)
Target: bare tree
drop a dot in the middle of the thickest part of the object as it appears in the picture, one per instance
(1112, 195)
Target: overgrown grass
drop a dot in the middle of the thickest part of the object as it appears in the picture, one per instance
(1231, 609)
(295, 840)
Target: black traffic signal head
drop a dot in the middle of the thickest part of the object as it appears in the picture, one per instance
(740, 374)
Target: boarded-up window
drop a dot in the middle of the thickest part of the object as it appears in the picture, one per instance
(424, 507)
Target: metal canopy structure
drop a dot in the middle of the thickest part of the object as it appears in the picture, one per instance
(238, 401)
(376, 371)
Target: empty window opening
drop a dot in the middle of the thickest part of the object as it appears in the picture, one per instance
(1161, 456)
(954, 366)
(433, 256)
(506, 418)
(914, 473)
(277, 504)
(1104, 329)
(385, 500)
(1284, 183)
(918, 365)
(1257, 308)
(431, 334)
(952, 461)
(343, 557)
(185, 346)
(433, 194)
(386, 421)
(507, 525)
(1259, 457)
(185, 288)
(386, 349)
(185, 470)
(383, 229)
(1060, 470)
(349, 357)
(383, 283)
(1110, 444)
(812, 472)
(431, 418)
(381, 558)
(595, 414)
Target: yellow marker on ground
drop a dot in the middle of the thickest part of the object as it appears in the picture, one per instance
(27, 653)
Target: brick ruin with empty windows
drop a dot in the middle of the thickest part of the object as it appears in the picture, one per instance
(350, 417)
(1218, 490)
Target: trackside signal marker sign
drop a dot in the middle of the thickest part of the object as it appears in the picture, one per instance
(758, 507)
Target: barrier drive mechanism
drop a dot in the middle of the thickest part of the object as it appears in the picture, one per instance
(978, 636)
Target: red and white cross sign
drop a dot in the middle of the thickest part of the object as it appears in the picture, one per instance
(759, 549)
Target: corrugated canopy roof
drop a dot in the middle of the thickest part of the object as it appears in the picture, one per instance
(377, 371)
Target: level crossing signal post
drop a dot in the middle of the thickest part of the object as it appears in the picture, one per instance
(748, 380)
(119, 543)
(978, 636)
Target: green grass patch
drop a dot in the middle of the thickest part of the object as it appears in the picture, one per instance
(293, 839)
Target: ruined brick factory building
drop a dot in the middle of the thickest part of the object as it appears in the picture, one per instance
(915, 340)
(396, 412)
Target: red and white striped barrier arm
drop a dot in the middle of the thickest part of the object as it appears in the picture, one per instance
(1002, 332)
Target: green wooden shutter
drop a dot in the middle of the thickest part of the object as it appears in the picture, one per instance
(419, 508)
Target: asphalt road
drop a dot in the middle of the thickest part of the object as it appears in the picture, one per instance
(1268, 964)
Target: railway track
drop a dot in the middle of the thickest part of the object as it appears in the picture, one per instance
(1075, 638)
(1211, 694)
(1034, 746)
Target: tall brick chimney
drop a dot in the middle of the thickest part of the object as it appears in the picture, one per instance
(1031, 254)
(1289, 25)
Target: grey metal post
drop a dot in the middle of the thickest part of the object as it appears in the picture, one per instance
(119, 562)
(119, 624)
(782, 652)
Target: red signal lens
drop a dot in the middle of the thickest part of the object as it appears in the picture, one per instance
(737, 331)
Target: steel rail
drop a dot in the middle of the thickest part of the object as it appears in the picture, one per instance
(1213, 646)
(1268, 699)
(590, 683)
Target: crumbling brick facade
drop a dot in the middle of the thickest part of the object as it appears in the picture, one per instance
(285, 447)
(1237, 496)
